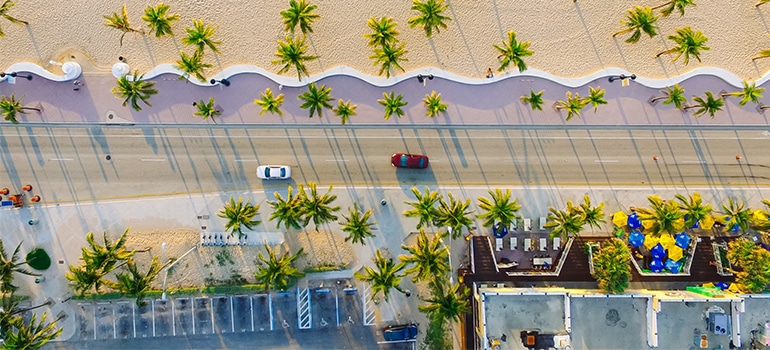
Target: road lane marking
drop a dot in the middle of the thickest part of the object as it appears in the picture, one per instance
(59, 159)
(336, 160)
(153, 159)
(246, 160)
(605, 161)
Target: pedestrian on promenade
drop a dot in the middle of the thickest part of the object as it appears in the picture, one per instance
(489, 73)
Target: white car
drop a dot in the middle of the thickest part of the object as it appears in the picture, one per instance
(273, 172)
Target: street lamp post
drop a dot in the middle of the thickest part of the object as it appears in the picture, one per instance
(222, 81)
(15, 75)
(622, 77)
(421, 78)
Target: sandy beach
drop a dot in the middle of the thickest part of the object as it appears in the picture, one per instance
(569, 39)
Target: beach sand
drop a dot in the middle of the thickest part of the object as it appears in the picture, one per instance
(570, 39)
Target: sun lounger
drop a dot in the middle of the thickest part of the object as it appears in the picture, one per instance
(556, 243)
(527, 225)
(542, 222)
(514, 225)
(514, 243)
(499, 244)
(543, 244)
(527, 244)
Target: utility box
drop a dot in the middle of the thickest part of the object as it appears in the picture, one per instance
(719, 323)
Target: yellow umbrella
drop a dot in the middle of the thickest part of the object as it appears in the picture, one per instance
(647, 224)
(650, 241)
(620, 219)
(667, 241)
(735, 288)
(675, 253)
(759, 216)
(707, 223)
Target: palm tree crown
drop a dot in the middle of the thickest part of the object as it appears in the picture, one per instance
(192, 65)
(315, 99)
(709, 105)
(736, 214)
(424, 207)
(433, 104)
(239, 215)
(7, 4)
(299, 13)
(455, 215)
(105, 257)
(136, 283)
(672, 95)
(694, 209)
(207, 110)
(11, 107)
(430, 259)
(389, 56)
(291, 53)
(593, 216)
(595, 97)
(663, 216)
(200, 36)
(639, 19)
(750, 92)
(688, 43)
(345, 110)
(565, 223)
(430, 16)
(535, 99)
(672, 5)
(357, 225)
(158, 20)
(447, 303)
(269, 103)
(33, 335)
(392, 104)
(9, 266)
(277, 273)
(384, 31)
(134, 89)
(499, 208)
(574, 104)
(611, 266)
(387, 276)
(512, 51)
(286, 211)
(315, 207)
(120, 22)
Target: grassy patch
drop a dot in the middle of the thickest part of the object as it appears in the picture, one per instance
(324, 268)
(223, 258)
(38, 259)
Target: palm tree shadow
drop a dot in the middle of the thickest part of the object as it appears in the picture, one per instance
(588, 34)
(34, 43)
(150, 53)
(465, 40)
(620, 51)
(315, 53)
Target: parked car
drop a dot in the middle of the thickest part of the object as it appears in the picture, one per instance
(400, 332)
(405, 160)
(272, 172)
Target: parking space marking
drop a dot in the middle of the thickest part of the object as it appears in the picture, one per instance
(211, 312)
(304, 312)
(192, 307)
(133, 317)
(337, 304)
(270, 304)
(173, 317)
(232, 315)
(251, 311)
(152, 304)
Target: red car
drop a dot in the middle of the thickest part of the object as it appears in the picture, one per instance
(404, 160)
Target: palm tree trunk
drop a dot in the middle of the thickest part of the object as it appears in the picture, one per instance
(622, 32)
(36, 109)
(664, 53)
(661, 6)
(49, 302)
(763, 107)
(656, 99)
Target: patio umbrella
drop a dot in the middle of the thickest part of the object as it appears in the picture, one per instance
(633, 221)
(673, 266)
(651, 241)
(758, 216)
(722, 285)
(620, 219)
(656, 265)
(499, 230)
(635, 238)
(735, 288)
(708, 222)
(675, 253)
(658, 252)
(683, 240)
(667, 241)
(695, 224)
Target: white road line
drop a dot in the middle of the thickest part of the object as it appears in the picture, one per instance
(173, 317)
(192, 308)
(153, 316)
(337, 302)
(133, 316)
(246, 160)
(251, 311)
(211, 309)
(337, 160)
(270, 303)
(605, 161)
(232, 315)
(153, 159)
(95, 309)
(59, 159)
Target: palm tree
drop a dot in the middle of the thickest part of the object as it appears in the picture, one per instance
(192, 65)
(239, 214)
(694, 209)
(612, 268)
(761, 54)
(573, 105)
(11, 107)
(269, 103)
(424, 207)
(534, 100)
(750, 92)
(384, 31)
(9, 313)
(595, 98)
(32, 336)
(672, 5)
(663, 216)
(200, 36)
(291, 53)
(120, 22)
(593, 216)
(7, 4)
(299, 13)
(384, 278)
(688, 43)
(316, 99)
(447, 303)
(105, 257)
(158, 20)
(9, 266)
(762, 2)
(344, 110)
(565, 223)
(207, 110)
(392, 104)
(430, 16)
(137, 283)
(277, 273)
(499, 208)
(672, 95)
(639, 19)
(286, 211)
(317, 208)
(708, 105)
(513, 51)
(429, 256)
(737, 214)
(134, 90)
(433, 104)
(389, 56)
(455, 215)
(85, 277)
(357, 225)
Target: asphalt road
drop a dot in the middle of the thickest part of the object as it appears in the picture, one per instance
(99, 162)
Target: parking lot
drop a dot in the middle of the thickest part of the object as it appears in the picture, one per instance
(335, 305)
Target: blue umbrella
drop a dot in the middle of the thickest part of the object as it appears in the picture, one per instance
(673, 266)
(683, 240)
(656, 265)
(633, 221)
(658, 252)
(636, 238)
(499, 230)
(722, 285)
(735, 228)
